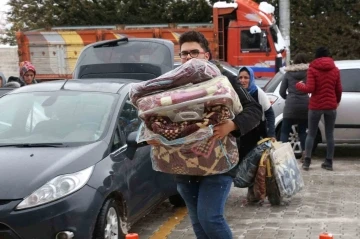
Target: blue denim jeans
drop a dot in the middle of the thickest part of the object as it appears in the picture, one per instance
(205, 201)
(286, 129)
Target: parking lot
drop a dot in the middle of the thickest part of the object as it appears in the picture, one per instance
(328, 203)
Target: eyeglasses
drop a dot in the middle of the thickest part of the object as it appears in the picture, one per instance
(193, 54)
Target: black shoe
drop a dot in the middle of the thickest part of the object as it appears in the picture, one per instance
(327, 164)
(306, 164)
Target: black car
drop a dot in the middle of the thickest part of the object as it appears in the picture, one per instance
(70, 166)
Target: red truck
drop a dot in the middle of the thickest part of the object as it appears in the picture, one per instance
(241, 33)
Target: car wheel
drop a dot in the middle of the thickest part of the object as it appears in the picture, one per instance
(110, 224)
(294, 140)
(177, 200)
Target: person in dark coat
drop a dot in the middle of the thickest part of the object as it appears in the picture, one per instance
(17, 80)
(247, 80)
(296, 102)
(324, 84)
(12, 84)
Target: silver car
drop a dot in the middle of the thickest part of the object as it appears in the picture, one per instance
(347, 125)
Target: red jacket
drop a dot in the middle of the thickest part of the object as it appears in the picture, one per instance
(323, 82)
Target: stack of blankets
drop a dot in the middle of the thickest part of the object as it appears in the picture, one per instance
(180, 109)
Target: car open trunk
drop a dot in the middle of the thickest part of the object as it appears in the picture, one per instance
(140, 59)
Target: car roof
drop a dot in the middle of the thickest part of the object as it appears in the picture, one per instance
(348, 64)
(87, 85)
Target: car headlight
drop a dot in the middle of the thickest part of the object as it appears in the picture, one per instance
(57, 188)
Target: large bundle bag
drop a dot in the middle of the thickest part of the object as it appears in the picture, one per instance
(247, 168)
(265, 183)
(286, 170)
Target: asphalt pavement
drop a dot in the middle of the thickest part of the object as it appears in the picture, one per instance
(329, 203)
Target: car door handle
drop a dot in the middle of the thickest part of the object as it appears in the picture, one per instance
(119, 151)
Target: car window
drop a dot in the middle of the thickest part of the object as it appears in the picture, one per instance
(128, 121)
(350, 80)
(254, 42)
(8, 115)
(270, 87)
(7, 118)
(117, 142)
(55, 117)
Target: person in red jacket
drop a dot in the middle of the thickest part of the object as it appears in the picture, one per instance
(323, 82)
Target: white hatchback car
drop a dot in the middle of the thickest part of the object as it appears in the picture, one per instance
(347, 125)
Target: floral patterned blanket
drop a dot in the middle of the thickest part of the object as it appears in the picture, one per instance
(200, 158)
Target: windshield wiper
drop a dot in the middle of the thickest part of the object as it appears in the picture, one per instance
(35, 145)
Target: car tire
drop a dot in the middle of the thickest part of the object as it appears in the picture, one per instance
(295, 140)
(110, 224)
(177, 201)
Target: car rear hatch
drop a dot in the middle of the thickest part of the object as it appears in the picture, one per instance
(126, 58)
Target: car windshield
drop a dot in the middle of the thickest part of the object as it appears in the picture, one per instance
(66, 117)
(270, 87)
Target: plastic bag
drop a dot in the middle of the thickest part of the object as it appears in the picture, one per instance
(200, 158)
(193, 71)
(186, 114)
(217, 91)
(247, 168)
(286, 170)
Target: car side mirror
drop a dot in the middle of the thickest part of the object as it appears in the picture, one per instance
(131, 140)
(132, 144)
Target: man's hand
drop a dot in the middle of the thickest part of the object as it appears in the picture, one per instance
(223, 129)
(153, 142)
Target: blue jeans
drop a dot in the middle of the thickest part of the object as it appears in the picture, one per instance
(286, 129)
(205, 201)
(314, 119)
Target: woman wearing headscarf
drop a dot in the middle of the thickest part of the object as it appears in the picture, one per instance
(296, 102)
(267, 125)
(247, 81)
(27, 73)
